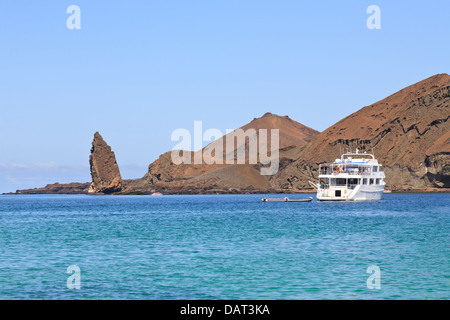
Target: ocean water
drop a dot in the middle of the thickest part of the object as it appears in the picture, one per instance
(223, 247)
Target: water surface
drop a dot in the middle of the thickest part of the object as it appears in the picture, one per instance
(223, 247)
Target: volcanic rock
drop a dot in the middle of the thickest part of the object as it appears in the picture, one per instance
(59, 188)
(105, 172)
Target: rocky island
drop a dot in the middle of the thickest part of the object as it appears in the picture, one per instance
(105, 172)
(408, 131)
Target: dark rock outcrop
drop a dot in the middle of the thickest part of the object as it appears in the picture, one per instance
(105, 172)
(59, 188)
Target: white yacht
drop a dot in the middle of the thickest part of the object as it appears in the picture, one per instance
(356, 176)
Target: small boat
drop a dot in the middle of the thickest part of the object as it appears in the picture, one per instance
(286, 199)
(309, 199)
(156, 194)
(387, 191)
(274, 199)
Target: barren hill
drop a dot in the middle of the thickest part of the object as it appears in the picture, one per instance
(408, 132)
(223, 176)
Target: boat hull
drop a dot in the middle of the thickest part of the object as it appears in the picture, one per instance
(360, 193)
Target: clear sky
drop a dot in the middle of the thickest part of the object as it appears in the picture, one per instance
(137, 70)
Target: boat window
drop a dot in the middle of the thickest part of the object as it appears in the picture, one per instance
(341, 182)
(364, 181)
(371, 181)
(324, 169)
(375, 169)
(352, 170)
(378, 181)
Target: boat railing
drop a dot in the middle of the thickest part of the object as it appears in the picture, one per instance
(358, 154)
(361, 171)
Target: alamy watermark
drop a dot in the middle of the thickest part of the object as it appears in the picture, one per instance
(236, 147)
(374, 21)
(74, 20)
(374, 280)
(74, 280)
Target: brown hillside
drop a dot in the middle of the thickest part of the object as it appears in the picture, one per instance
(291, 134)
(408, 132)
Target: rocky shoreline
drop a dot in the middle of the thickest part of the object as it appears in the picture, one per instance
(85, 190)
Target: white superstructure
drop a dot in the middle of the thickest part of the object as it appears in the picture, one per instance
(356, 176)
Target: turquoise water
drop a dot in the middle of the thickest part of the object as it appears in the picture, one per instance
(223, 247)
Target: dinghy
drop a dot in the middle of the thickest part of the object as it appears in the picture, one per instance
(286, 199)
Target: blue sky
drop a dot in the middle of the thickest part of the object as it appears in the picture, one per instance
(137, 70)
